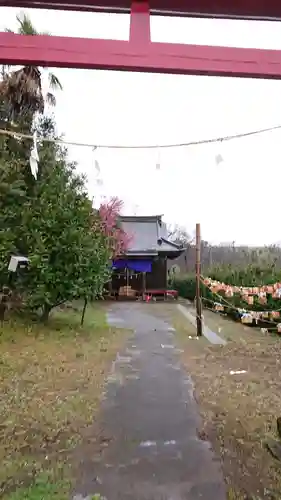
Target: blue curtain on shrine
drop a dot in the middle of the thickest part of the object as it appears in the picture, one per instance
(119, 264)
(143, 266)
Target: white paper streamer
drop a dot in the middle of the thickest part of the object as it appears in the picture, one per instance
(219, 159)
(34, 158)
(158, 163)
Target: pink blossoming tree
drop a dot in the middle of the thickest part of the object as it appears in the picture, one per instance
(118, 240)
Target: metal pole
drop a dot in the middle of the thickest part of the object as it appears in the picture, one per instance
(198, 274)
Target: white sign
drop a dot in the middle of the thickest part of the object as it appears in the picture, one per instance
(15, 261)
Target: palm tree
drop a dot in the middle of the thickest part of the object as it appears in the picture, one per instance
(22, 89)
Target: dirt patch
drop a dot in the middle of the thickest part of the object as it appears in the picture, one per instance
(51, 381)
(239, 411)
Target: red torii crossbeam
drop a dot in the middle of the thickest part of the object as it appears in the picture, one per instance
(251, 9)
(140, 53)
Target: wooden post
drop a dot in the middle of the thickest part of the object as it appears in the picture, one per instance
(143, 284)
(198, 275)
(127, 277)
(84, 311)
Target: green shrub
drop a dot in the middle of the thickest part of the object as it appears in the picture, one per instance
(186, 287)
(250, 275)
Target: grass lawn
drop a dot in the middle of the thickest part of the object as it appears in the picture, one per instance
(238, 411)
(51, 381)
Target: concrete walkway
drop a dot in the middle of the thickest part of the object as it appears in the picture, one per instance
(149, 410)
(213, 337)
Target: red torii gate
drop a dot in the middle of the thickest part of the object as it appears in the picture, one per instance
(140, 53)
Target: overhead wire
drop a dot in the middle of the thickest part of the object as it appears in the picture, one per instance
(20, 135)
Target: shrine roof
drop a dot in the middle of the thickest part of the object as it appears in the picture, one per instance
(149, 236)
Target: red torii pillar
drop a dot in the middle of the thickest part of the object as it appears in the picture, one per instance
(137, 54)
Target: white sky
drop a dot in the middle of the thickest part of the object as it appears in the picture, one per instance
(236, 200)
